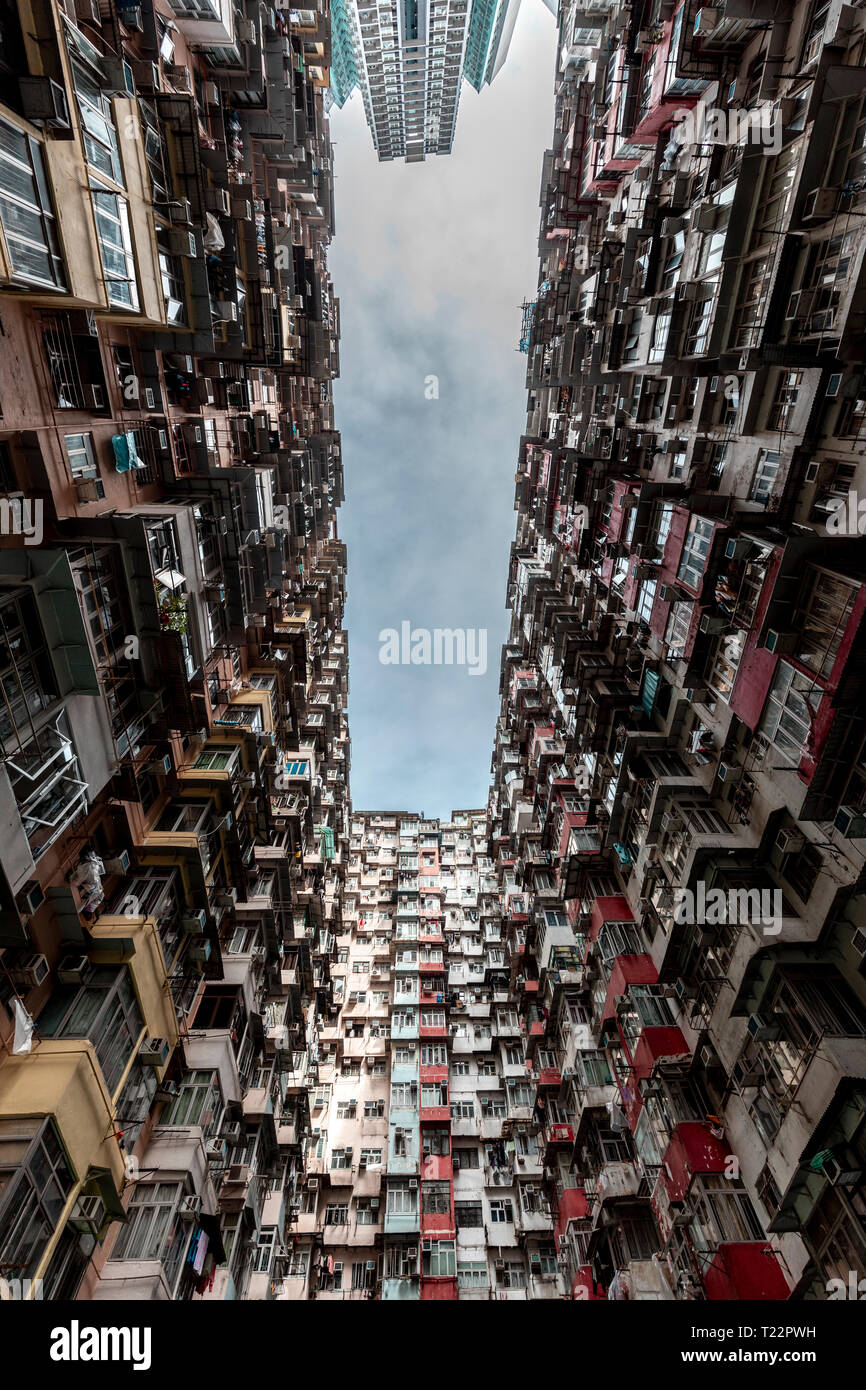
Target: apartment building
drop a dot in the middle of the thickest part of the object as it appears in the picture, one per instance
(678, 764)
(408, 61)
(423, 1168)
(175, 750)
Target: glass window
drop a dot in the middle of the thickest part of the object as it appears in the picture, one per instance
(695, 552)
(154, 1230)
(26, 210)
(440, 1260)
(35, 1181)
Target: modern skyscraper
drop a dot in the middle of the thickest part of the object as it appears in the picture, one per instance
(408, 58)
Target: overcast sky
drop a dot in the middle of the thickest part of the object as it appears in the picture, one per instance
(430, 263)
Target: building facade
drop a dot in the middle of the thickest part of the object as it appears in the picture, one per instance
(678, 760)
(603, 1038)
(424, 1168)
(408, 60)
(175, 750)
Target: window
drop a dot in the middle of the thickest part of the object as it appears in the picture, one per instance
(467, 1158)
(469, 1214)
(436, 1198)
(472, 1274)
(35, 1181)
(723, 1212)
(402, 1199)
(115, 246)
(791, 705)
(434, 1055)
(440, 1261)
(154, 1231)
(264, 1250)
(337, 1214)
(404, 1095)
(695, 552)
(364, 1274)
(784, 401)
(646, 600)
(821, 619)
(26, 211)
(199, 1102)
(434, 1093)
(341, 1158)
(513, 1276)
(501, 1211)
(106, 1011)
(435, 1142)
(765, 476)
(677, 631)
(463, 1110)
(371, 1158)
(100, 136)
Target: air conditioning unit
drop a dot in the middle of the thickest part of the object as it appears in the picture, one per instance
(216, 1151)
(87, 1215)
(194, 923)
(182, 242)
(30, 972)
(708, 217)
(779, 641)
(312, 1184)
(790, 841)
(43, 101)
(29, 898)
(729, 773)
(819, 204)
(119, 864)
(146, 75)
(672, 225)
(696, 694)
(154, 1052)
(200, 952)
(736, 547)
(713, 623)
(850, 822)
(74, 970)
(189, 1208)
(761, 1031)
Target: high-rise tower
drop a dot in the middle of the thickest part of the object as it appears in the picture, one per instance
(408, 58)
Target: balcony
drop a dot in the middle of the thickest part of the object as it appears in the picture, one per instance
(613, 1181)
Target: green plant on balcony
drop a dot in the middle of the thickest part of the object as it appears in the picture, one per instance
(173, 615)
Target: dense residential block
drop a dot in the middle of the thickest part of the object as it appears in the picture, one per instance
(175, 749)
(604, 1037)
(679, 759)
